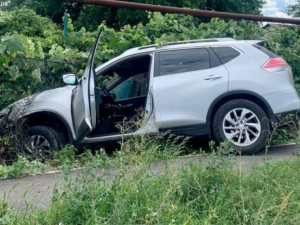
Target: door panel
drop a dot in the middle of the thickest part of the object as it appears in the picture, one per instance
(184, 99)
(84, 100)
(81, 127)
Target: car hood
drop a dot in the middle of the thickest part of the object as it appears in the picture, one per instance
(54, 94)
(43, 100)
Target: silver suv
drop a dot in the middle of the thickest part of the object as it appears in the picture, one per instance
(222, 88)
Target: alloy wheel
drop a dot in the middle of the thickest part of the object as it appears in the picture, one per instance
(242, 127)
(40, 147)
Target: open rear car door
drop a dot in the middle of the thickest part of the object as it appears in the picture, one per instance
(85, 99)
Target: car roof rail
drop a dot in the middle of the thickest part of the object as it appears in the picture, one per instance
(194, 41)
(199, 41)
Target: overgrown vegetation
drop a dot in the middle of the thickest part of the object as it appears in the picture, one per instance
(198, 194)
(54, 55)
(131, 152)
(22, 167)
(142, 147)
(286, 131)
(90, 16)
(294, 9)
(33, 55)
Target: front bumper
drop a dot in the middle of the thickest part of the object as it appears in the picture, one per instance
(3, 120)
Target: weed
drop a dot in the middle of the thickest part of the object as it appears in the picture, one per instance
(284, 132)
(146, 149)
(65, 159)
(97, 159)
(22, 167)
(209, 192)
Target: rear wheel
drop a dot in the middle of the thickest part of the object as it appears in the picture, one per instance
(43, 141)
(244, 124)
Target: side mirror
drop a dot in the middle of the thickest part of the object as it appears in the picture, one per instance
(70, 79)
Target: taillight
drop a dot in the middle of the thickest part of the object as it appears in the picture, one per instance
(276, 65)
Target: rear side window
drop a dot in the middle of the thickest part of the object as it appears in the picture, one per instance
(182, 61)
(265, 50)
(226, 54)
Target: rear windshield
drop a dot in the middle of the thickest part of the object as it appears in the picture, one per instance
(265, 50)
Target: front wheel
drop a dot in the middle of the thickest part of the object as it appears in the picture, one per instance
(244, 124)
(42, 143)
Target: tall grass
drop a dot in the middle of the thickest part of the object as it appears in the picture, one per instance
(203, 193)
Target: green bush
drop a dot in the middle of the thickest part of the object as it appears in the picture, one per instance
(55, 55)
(65, 158)
(90, 16)
(26, 22)
(22, 167)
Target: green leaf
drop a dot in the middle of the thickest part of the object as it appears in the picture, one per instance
(14, 46)
(36, 75)
(3, 62)
(40, 50)
(2, 49)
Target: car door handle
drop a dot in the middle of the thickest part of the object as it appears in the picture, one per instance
(213, 77)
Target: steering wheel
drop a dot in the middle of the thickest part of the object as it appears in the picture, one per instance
(108, 96)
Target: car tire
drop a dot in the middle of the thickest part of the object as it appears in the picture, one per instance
(43, 141)
(244, 124)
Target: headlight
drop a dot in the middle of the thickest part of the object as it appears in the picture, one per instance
(5, 112)
(4, 116)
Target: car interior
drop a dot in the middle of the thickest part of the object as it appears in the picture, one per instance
(123, 90)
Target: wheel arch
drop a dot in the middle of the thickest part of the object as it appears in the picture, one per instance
(52, 120)
(247, 95)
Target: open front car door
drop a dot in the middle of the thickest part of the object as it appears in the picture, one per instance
(85, 113)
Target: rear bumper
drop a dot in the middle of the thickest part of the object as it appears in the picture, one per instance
(285, 106)
(284, 102)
